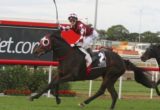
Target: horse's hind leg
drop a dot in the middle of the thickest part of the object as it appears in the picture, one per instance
(108, 82)
(99, 93)
(58, 100)
(114, 96)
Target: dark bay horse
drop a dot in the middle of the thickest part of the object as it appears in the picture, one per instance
(72, 67)
(153, 51)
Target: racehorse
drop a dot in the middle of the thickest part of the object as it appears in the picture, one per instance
(72, 67)
(153, 51)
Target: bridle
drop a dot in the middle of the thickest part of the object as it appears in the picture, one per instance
(56, 48)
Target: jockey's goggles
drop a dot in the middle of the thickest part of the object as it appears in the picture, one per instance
(72, 20)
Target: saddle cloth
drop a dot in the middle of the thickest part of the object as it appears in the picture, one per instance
(98, 59)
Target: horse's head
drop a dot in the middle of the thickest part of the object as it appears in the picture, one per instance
(150, 53)
(51, 42)
(44, 46)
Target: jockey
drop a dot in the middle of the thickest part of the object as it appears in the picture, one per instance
(87, 35)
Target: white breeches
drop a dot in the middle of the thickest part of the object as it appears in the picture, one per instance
(87, 57)
(89, 40)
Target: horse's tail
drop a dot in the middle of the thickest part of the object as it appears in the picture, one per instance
(142, 76)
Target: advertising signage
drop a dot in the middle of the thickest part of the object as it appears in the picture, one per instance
(18, 39)
(18, 42)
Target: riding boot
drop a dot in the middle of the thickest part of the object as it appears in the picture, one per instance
(87, 58)
(94, 57)
(89, 50)
(88, 69)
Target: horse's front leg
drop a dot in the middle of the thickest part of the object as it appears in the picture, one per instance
(31, 98)
(49, 86)
(56, 85)
(55, 89)
(55, 81)
(56, 94)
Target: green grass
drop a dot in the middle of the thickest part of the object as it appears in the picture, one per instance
(70, 103)
(128, 87)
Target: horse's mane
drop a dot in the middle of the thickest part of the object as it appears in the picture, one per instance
(158, 45)
(155, 46)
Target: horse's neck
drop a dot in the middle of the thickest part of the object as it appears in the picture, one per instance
(62, 49)
(158, 60)
(157, 55)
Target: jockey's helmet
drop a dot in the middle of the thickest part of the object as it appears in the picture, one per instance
(72, 16)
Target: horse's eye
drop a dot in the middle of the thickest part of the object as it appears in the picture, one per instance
(46, 42)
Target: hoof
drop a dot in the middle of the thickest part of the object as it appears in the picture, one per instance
(81, 105)
(58, 101)
(30, 98)
(111, 109)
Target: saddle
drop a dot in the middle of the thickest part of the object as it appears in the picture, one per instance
(98, 59)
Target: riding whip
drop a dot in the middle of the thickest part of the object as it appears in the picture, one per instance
(57, 21)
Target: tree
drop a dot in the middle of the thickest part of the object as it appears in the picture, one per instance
(102, 34)
(150, 37)
(133, 37)
(117, 32)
